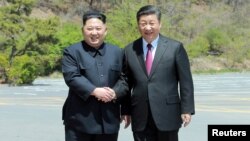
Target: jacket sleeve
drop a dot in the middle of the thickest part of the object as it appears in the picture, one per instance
(121, 88)
(76, 82)
(185, 81)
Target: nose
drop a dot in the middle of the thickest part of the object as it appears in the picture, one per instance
(148, 27)
(94, 32)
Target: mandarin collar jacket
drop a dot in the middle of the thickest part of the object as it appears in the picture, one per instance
(84, 69)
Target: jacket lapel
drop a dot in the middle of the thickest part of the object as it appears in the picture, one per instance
(161, 48)
(139, 53)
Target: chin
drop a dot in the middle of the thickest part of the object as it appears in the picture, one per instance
(95, 45)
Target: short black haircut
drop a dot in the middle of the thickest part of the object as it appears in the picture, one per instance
(93, 14)
(147, 10)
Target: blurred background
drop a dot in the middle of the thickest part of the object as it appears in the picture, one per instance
(33, 33)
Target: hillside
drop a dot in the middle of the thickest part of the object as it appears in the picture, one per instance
(184, 20)
(34, 33)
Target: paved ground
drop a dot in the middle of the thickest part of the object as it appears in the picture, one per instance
(33, 113)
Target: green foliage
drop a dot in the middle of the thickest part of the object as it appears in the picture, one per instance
(13, 15)
(43, 45)
(3, 66)
(30, 47)
(198, 47)
(217, 39)
(41, 35)
(48, 63)
(122, 25)
(67, 34)
(25, 37)
(239, 42)
(25, 71)
(238, 50)
(3, 60)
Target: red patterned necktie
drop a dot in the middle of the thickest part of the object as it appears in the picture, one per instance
(149, 59)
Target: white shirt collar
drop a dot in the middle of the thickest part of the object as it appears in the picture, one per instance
(154, 43)
(154, 46)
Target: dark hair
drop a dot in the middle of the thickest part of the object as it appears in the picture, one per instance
(93, 14)
(147, 10)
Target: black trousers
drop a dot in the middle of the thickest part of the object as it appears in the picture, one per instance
(73, 135)
(151, 133)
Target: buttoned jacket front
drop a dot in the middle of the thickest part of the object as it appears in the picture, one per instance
(167, 90)
(85, 68)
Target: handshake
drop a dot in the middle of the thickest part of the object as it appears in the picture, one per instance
(104, 94)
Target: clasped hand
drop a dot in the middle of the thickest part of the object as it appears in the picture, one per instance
(104, 94)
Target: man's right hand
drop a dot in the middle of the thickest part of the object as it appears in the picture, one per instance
(103, 94)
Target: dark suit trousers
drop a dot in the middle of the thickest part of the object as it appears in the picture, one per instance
(73, 135)
(151, 133)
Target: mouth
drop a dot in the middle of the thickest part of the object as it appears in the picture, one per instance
(148, 33)
(94, 39)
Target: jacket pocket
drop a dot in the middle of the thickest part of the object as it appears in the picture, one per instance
(114, 74)
(83, 69)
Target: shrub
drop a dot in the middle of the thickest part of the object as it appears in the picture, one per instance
(198, 47)
(24, 70)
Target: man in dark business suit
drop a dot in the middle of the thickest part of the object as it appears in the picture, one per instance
(160, 81)
(91, 69)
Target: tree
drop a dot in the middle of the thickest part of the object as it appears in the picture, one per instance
(24, 37)
(13, 16)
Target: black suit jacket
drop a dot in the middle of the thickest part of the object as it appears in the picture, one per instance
(83, 73)
(159, 91)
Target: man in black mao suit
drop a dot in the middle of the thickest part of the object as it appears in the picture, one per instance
(91, 69)
(162, 97)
